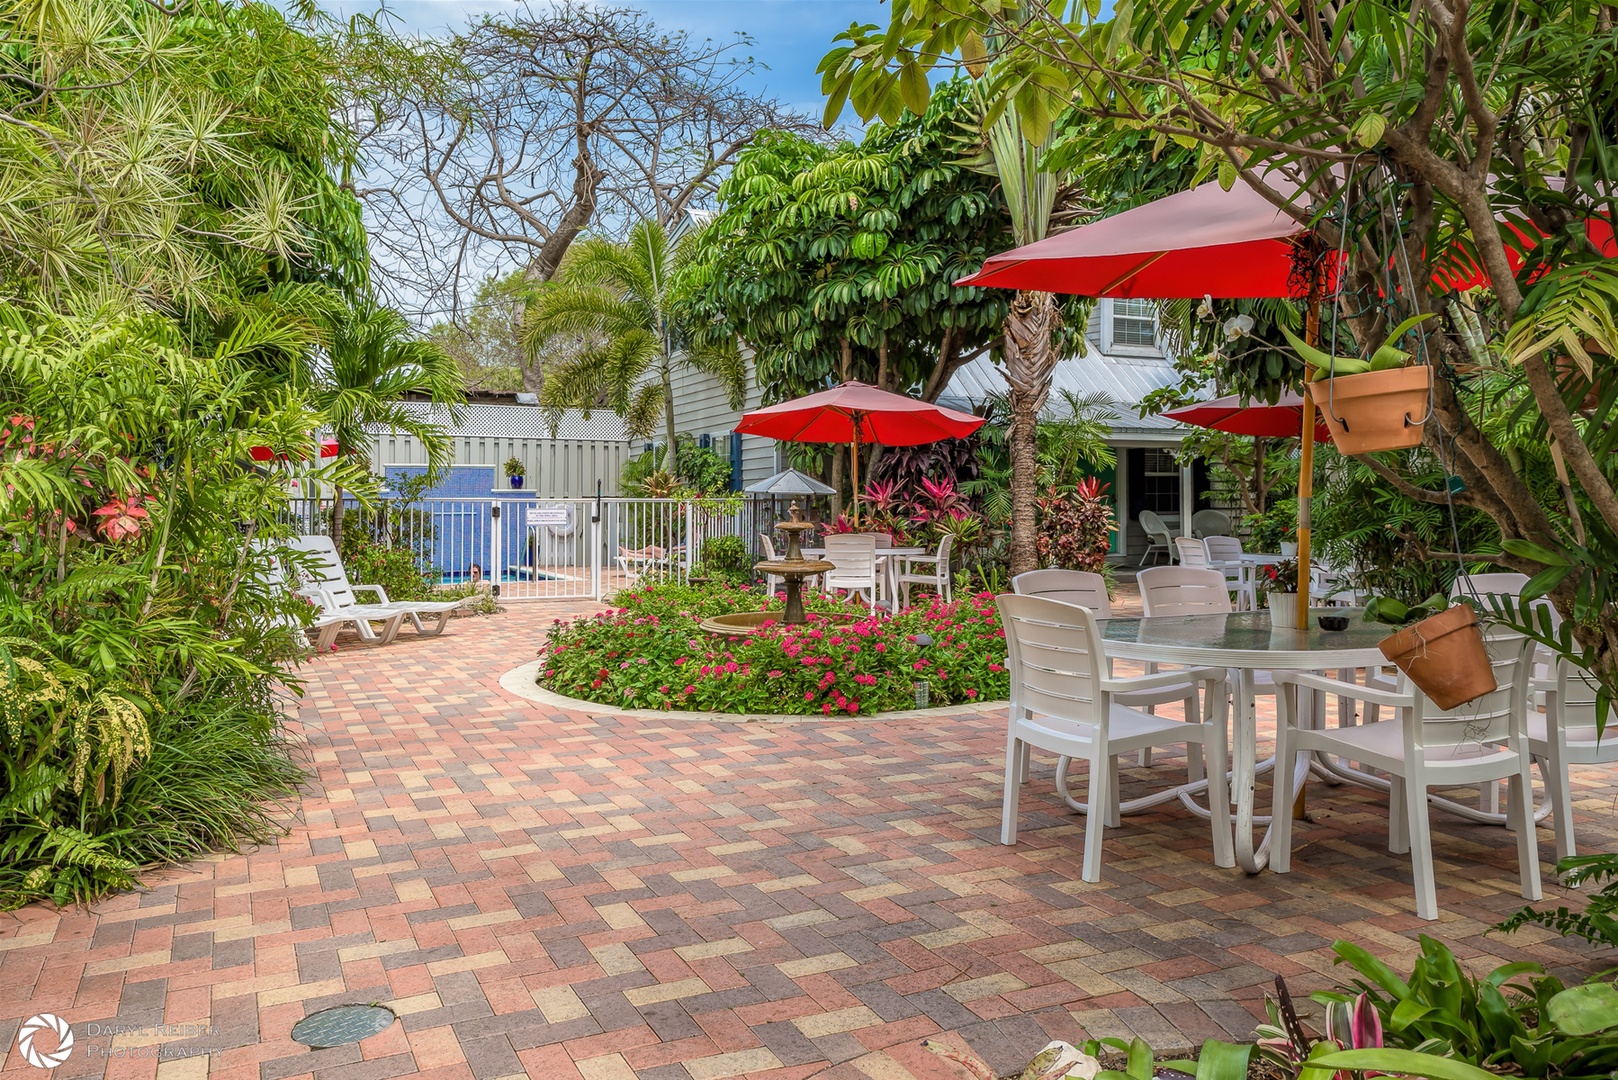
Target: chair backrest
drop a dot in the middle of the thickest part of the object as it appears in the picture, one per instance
(1206, 523)
(1056, 658)
(854, 555)
(1077, 587)
(1489, 719)
(1153, 525)
(326, 569)
(769, 546)
(1181, 590)
(1488, 585)
(1193, 552)
(945, 546)
(1223, 549)
(883, 540)
(1576, 690)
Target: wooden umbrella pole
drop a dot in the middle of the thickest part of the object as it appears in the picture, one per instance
(1306, 468)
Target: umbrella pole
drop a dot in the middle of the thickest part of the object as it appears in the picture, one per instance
(1306, 490)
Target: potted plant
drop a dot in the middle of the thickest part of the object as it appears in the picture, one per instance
(1281, 593)
(1440, 647)
(1369, 405)
(514, 471)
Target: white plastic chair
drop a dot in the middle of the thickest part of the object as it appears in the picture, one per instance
(1225, 555)
(1183, 590)
(1063, 703)
(929, 570)
(1565, 734)
(1088, 590)
(854, 556)
(1078, 587)
(772, 582)
(1423, 747)
(339, 595)
(326, 623)
(1159, 537)
(1192, 552)
(1206, 523)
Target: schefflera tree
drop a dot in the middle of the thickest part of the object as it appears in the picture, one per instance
(1426, 143)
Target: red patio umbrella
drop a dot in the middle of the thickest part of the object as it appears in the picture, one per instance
(1232, 244)
(328, 448)
(1283, 420)
(857, 412)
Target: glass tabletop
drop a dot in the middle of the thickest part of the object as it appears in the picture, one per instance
(1246, 631)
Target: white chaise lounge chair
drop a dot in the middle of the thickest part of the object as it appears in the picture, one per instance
(337, 595)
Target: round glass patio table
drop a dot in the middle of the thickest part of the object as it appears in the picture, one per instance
(1245, 643)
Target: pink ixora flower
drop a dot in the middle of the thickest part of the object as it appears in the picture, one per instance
(122, 518)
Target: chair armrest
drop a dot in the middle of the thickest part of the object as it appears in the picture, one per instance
(908, 561)
(1368, 694)
(381, 593)
(1163, 678)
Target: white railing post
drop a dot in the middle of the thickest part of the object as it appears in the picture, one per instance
(497, 569)
(690, 537)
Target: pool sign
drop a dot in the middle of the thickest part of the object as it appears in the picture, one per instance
(546, 515)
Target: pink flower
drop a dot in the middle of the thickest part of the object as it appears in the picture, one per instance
(808, 695)
(690, 690)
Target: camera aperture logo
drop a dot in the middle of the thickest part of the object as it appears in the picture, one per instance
(34, 1031)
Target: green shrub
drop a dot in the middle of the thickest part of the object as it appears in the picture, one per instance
(650, 652)
(397, 570)
(728, 557)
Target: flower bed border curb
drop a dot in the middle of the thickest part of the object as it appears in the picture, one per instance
(519, 681)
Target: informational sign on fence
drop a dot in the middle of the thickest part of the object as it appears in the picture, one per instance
(546, 515)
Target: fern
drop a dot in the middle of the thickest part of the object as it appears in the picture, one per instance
(1598, 922)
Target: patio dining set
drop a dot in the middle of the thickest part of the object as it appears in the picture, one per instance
(1213, 660)
(872, 566)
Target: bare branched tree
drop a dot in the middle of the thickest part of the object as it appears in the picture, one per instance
(505, 142)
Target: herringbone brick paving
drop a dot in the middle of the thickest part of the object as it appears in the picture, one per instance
(555, 894)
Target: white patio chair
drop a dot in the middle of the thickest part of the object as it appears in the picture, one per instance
(1089, 591)
(1421, 748)
(325, 623)
(1077, 587)
(1159, 537)
(929, 570)
(1063, 703)
(772, 582)
(1206, 523)
(1565, 734)
(1192, 552)
(1225, 555)
(855, 570)
(332, 580)
(1183, 590)
(1505, 584)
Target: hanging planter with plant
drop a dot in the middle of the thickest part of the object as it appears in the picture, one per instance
(1440, 647)
(515, 471)
(1370, 405)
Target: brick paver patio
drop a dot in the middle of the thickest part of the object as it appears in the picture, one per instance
(557, 894)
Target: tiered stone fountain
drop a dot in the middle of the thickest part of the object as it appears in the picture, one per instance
(792, 568)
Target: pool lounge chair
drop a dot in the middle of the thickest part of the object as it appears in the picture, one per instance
(338, 595)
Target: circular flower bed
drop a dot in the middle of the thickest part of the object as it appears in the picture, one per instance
(649, 653)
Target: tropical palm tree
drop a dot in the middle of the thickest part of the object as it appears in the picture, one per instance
(372, 358)
(1030, 354)
(615, 307)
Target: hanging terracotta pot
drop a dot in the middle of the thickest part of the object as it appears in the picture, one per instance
(1444, 655)
(1375, 410)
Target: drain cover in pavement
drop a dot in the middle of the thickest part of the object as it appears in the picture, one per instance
(341, 1025)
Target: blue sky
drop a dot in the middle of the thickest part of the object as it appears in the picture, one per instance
(790, 36)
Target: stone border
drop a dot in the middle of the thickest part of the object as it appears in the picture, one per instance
(519, 682)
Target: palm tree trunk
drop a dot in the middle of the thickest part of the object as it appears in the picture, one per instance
(669, 462)
(1030, 363)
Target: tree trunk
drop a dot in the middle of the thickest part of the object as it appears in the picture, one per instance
(669, 457)
(337, 522)
(1030, 362)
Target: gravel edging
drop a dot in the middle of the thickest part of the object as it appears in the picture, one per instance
(519, 681)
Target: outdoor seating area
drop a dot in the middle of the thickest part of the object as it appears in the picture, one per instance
(984, 541)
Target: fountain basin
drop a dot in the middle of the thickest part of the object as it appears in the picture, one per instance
(748, 623)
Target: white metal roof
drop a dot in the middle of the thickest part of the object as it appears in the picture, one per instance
(1124, 379)
(525, 422)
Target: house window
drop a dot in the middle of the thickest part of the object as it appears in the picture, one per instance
(1161, 493)
(1132, 326)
